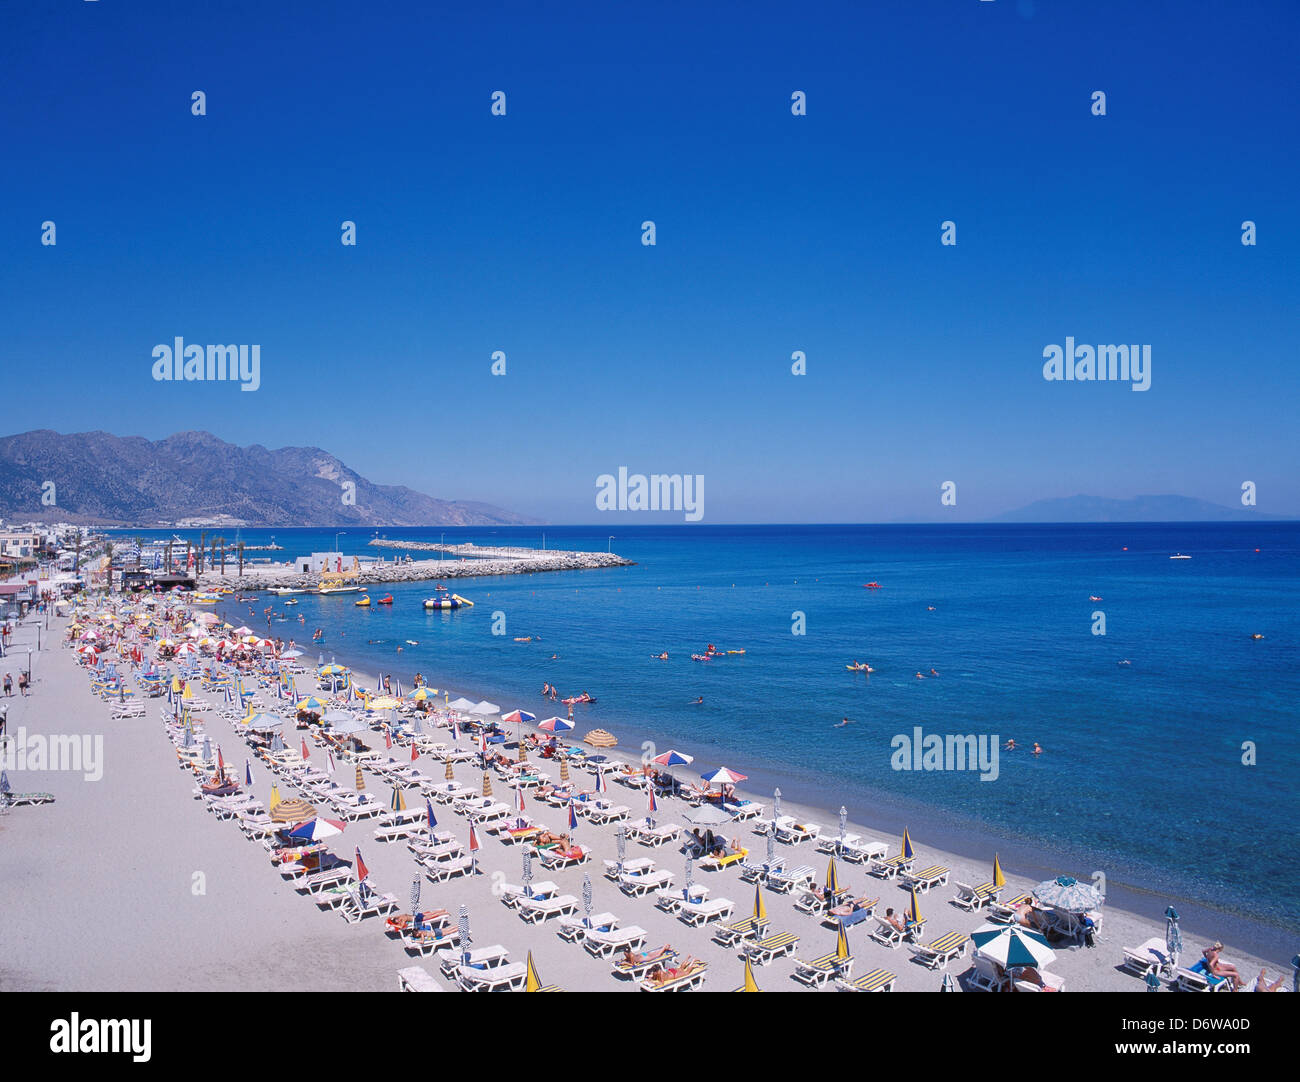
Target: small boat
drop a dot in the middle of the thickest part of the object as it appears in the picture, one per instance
(871, 586)
(1093, 597)
(387, 599)
(327, 590)
(1257, 635)
(294, 601)
(362, 601)
(1179, 556)
(285, 591)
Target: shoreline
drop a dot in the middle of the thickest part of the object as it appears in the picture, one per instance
(960, 842)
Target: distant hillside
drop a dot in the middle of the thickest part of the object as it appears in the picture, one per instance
(104, 479)
(1139, 509)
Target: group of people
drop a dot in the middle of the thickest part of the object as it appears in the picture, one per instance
(22, 684)
(1011, 745)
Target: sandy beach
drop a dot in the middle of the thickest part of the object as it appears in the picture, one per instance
(129, 883)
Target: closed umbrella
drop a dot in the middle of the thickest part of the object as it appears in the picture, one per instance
(462, 925)
(1173, 937)
(750, 984)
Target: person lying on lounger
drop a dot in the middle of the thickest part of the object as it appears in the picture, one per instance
(1216, 965)
(1030, 974)
(1262, 984)
(1030, 918)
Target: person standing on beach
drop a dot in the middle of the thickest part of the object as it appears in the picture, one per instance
(22, 684)
(9, 687)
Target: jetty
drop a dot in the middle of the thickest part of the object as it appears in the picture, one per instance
(470, 561)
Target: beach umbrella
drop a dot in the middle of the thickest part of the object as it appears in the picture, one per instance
(450, 772)
(329, 756)
(651, 807)
(1011, 945)
(484, 708)
(723, 776)
(385, 702)
(292, 811)
(415, 900)
(519, 798)
(315, 830)
(362, 872)
(431, 819)
(555, 725)
(709, 815)
(398, 801)
(462, 925)
(601, 785)
(417, 725)
(462, 704)
(600, 738)
(999, 880)
(690, 876)
(4, 782)
(842, 952)
(528, 868)
(207, 749)
(361, 779)
(305, 753)
(573, 818)
(518, 717)
(415, 751)
(1173, 937)
(760, 906)
(620, 839)
(946, 984)
(844, 818)
(914, 910)
(487, 784)
(277, 744)
(248, 774)
(388, 739)
(673, 757)
(564, 769)
(771, 844)
(750, 984)
(1068, 895)
(586, 897)
(832, 880)
(906, 848)
(474, 847)
(776, 804)
(533, 983)
(311, 703)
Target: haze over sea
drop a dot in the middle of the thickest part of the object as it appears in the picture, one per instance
(1142, 774)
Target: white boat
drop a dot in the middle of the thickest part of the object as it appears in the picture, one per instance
(327, 590)
(1179, 556)
(284, 591)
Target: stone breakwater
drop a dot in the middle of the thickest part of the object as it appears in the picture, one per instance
(267, 578)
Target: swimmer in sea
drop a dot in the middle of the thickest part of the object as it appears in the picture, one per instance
(1010, 745)
(929, 608)
(699, 701)
(920, 675)
(842, 724)
(555, 657)
(934, 672)
(663, 656)
(1037, 748)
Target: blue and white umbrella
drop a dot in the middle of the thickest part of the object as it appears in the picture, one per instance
(620, 839)
(1010, 945)
(415, 899)
(528, 868)
(771, 843)
(946, 984)
(462, 925)
(4, 782)
(776, 804)
(586, 898)
(1068, 895)
(690, 874)
(207, 749)
(844, 818)
(1173, 937)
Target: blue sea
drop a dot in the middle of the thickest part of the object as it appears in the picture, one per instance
(1142, 774)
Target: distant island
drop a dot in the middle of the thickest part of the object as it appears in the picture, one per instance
(98, 479)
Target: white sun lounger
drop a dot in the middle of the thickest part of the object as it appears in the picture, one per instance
(797, 833)
(416, 979)
(986, 975)
(575, 928)
(511, 894)
(718, 909)
(442, 870)
(670, 899)
(604, 944)
(653, 837)
(356, 908)
(508, 978)
(1152, 955)
(614, 868)
(488, 957)
(636, 886)
(796, 878)
(539, 909)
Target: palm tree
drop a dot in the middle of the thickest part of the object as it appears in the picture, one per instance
(241, 559)
(203, 548)
(222, 542)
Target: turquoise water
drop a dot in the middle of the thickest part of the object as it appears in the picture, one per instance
(1142, 774)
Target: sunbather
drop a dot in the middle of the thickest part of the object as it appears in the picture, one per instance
(1030, 974)
(1215, 964)
(894, 922)
(1030, 917)
(1262, 985)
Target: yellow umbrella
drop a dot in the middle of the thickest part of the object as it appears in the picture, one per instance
(534, 982)
(999, 880)
(398, 802)
(842, 952)
(760, 907)
(832, 879)
(384, 702)
(361, 779)
(600, 738)
(750, 985)
(275, 796)
(914, 910)
(176, 683)
(188, 692)
(564, 769)
(450, 773)
(906, 848)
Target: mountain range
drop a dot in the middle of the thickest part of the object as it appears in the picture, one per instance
(102, 479)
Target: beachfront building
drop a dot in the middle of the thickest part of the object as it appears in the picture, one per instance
(21, 544)
(319, 561)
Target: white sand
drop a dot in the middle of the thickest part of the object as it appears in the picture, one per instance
(96, 889)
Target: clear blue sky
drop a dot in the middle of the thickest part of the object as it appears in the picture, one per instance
(775, 233)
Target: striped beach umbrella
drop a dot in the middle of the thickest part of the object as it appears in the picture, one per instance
(832, 880)
(776, 804)
(1173, 937)
(760, 906)
(586, 898)
(555, 725)
(999, 880)
(248, 774)
(519, 798)
(906, 848)
(361, 779)
(672, 757)
(1011, 945)
(415, 901)
(528, 867)
(450, 772)
(651, 807)
(315, 830)
(398, 801)
(914, 909)
(487, 784)
(842, 952)
(844, 818)
(4, 782)
(564, 769)
(462, 926)
(750, 984)
(601, 785)
(473, 848)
